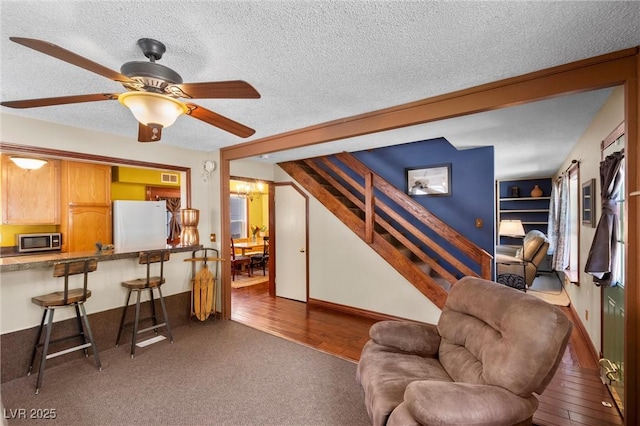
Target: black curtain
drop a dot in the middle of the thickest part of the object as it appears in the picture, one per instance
(601, 262)
(173, 207)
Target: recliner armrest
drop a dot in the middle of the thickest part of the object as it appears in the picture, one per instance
(432, 402)
(508, 250)
(409, 337)
(508, 260)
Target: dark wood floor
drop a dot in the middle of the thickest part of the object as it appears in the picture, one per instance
(575, 396)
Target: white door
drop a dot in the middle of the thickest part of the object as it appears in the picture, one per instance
(291, 244)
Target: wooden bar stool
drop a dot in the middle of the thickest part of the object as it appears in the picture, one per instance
(64, 299)
(149, 283)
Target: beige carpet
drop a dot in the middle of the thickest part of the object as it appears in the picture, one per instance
(216, 373)
(548, 287)
(245, 281)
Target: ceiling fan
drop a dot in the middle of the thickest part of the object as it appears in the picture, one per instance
(153, 90)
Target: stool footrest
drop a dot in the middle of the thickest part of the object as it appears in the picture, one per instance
(66, 351)
(130, 323)
(152, 328)
(62, 339)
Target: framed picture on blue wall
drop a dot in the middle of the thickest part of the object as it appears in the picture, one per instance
(428, 180)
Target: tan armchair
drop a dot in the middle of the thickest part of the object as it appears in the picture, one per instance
(518, 266)
(492, 349)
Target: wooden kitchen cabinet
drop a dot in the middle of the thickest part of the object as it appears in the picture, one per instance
(86, 183)
(86, 206)
(30, 197)
(87, 225)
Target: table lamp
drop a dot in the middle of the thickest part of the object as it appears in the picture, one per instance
(511, 228)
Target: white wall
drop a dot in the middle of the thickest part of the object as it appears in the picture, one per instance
(252, 169)
(344, 270)
(17, 288)
(586, 296)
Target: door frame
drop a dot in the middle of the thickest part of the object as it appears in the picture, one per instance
(618, 132)
(271, 228)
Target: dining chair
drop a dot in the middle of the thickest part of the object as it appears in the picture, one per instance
(238, 262)
(261, 259)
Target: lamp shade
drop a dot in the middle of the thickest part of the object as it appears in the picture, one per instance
(511, 228)
(152, 109)
(28, 163)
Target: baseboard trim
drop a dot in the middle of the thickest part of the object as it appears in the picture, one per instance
(350, 310)
(584, 334)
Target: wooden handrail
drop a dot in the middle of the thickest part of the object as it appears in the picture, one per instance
(395, 216)
(373, 183)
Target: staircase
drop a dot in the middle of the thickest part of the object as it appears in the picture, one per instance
(399, 229)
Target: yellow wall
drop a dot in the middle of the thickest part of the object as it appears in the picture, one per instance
(258, 208)
(255, 213)
(129, 183)
(128, 191)
(142, 176)
(8, 232)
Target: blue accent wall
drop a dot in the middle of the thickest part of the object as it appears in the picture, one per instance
(472, 183)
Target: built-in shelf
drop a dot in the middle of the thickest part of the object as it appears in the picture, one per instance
(525, 198)
(532, 211)
(526, 211)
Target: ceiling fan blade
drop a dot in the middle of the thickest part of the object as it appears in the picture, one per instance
(149, 134)
(70, 57)
(219, 121)
(236, 89)
(62, 100)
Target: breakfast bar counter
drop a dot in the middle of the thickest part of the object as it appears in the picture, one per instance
(27, 276)
(47, 260)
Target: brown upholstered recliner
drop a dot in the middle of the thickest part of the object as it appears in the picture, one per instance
(492, 349)
(516, 266)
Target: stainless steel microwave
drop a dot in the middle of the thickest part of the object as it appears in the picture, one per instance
(39, 242)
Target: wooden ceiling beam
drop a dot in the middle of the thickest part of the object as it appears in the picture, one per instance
(594, 73)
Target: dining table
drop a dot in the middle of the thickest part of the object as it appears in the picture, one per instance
(249, 246)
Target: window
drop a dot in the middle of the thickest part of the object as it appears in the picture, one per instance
(574, 224)
(618, 278)
(615, 144)
(238, 208)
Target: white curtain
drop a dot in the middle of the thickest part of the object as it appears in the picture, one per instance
(559, 223)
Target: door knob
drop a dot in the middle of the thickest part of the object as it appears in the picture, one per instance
(301, 250)
(610, 370)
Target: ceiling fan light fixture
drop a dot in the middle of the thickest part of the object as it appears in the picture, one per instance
(28, 163)
(153, 109)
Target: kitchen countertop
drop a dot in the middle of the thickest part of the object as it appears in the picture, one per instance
(47, 260)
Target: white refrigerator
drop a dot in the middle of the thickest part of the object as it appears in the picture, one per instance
(139, 225)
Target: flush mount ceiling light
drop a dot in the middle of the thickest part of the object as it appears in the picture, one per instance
(152, 109)
(28, 163)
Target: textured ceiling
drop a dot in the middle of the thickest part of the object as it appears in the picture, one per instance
(315, 61)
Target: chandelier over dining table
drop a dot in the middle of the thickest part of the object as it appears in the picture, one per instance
(250, 190)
